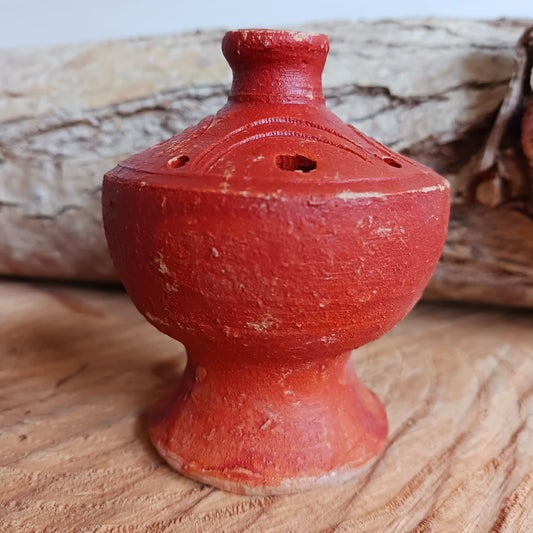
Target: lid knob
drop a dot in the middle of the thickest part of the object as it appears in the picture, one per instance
(275, 66)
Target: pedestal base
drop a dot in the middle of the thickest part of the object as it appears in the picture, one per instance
(260, 430)
(286, 486)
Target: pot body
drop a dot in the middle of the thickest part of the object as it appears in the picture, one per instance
(310, 273)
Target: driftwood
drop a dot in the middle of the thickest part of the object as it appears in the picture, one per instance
(429, 88)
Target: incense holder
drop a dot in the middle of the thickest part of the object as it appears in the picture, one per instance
(272, 239)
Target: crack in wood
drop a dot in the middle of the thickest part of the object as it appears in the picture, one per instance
(68, 377)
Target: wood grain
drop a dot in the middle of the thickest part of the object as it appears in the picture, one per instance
(79, 367)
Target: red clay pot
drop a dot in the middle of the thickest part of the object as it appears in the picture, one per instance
(272, 239)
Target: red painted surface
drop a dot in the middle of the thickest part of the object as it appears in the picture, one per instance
(271, 239)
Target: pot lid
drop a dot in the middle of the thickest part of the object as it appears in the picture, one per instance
(275, 134)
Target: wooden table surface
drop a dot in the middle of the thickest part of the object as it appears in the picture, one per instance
(79, 367)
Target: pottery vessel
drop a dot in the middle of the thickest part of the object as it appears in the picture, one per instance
(272, 239)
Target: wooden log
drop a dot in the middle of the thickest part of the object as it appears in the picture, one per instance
(79, 368)
(429, 88)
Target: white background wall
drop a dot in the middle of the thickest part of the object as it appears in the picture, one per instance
(45, 22)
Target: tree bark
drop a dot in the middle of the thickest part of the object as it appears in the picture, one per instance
(429, 88)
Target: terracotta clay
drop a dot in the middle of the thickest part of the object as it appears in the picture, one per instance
(272, 239)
